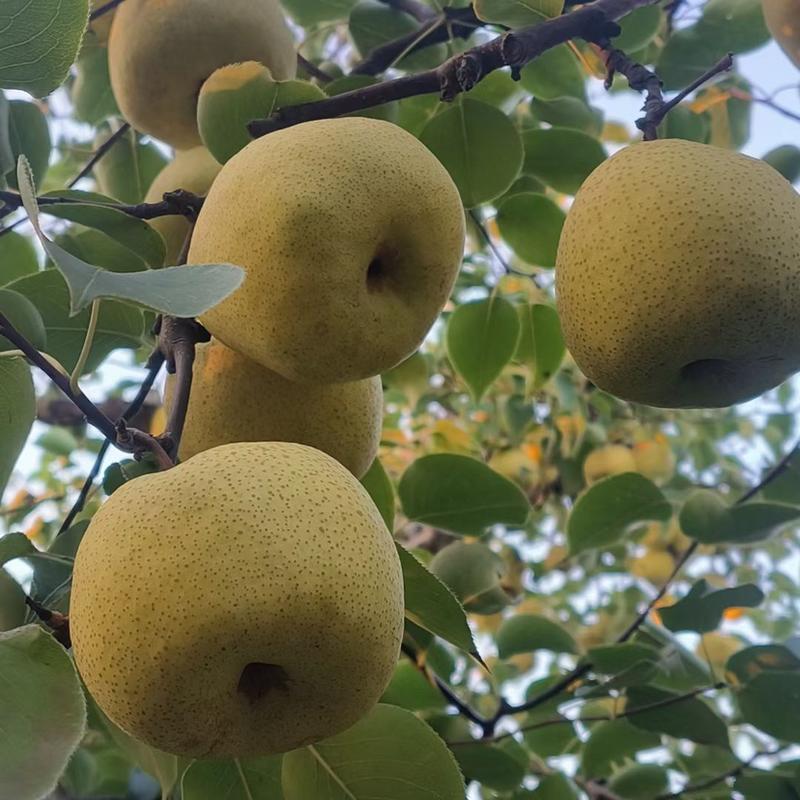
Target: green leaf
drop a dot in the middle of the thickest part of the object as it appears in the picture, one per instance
(541, 342)
(25, 318)
(411, 690)
(178, 291)
(612, 743)
(701, 610)
(555, 73)
(119, 324)
(44, 713)
(39, 40)
(52, 570)
(690, 718)
(481, 338)
(460, 494)
(639, 782)
(308, 13)
(517, 13)
(380, 489)
(524, 633)
(479, 146)
(766, 787)
(29, 136)
(639, 28)
(684, 123)
(555, 787)
(17, 412)
(135, 234)
(771, 702)
(785, 159)
(12, 601)
(568, 112)
(490, 765)
(746, 664)
(734, 25)
(236, 779)
(432, 606)
(707, 518)
(473, 572)
(561, 157)
(95, 247)
(17, 257)
(614, 658)
(607, 509)
(125, 173)
(531, 226)
(91, 93)
(14, 545)
(389, 753)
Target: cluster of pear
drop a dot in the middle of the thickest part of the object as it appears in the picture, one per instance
(250, 600)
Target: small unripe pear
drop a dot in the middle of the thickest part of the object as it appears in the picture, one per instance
(611, 459)
(245, 602)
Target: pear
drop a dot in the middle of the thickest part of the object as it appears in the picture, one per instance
(610, 459)
(160, 53)
(193, 170)
(676, 276)
(234, 399)
(783, 20)
(350, 233)
(655, 566)
(247, 601)
(654, 458)
(717, 648)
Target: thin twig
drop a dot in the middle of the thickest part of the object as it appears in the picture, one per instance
(55, 620)
(101, 150)
(460, 73)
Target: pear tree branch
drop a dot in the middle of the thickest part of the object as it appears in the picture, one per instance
(592, 22)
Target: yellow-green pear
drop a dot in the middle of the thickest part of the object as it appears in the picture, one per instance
(248, 601)
(238, 93)
(194, 170)
(676, 276)
(783, 20)
(610, 459)
(161, 51)
(234, 399)
(350, 233)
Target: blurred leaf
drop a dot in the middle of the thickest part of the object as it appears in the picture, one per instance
(411, 690)
(479, 146)
(684, 123)
(91, 93)
(771, 702)
(388, 753)
(752, 661)
(517, 13)
(29, 136)
(17, 257)
(689, 718)
(24, 317)
(568, 112)
(473, 572)
(561, 157)
(612, 743)
(639, 782)
(125, 173)
(17, 412)
(460, 494)
(311, 12)
(613, 658)
(14, 545)
(490, 765)
(555, 787)
(431, 605)
(44, 713)
(555, 73)
(531, 226)
(701, 610)
(541, 342)
(179, 291)
(37, 51)
(608, 508)
(119, 325)
(707, 518)
(235, 779)
(380, 489)
(524, 633)
(481, 338)
(785, 159)
(734, 25)
(135, 234)
(639, 28)
(766, 787)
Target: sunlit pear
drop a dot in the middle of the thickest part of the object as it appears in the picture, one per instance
(247, 601)
(556, 558)
(409, 377)
(717, 648)
(783, 20)
(193, 170)
(610, 459)
(233, 399)
(350, 233)
(654, 458)
(687, 298)
(514, 464)
(12, 602)
(676, 538)
(161, 51)
(524, 662)
(655, 566)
